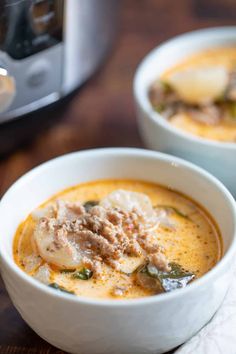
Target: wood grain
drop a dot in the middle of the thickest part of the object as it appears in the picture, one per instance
(100, 114)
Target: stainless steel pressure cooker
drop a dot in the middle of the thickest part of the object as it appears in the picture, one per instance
(48, 48)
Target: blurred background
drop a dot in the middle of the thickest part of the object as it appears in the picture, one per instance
(100, 113)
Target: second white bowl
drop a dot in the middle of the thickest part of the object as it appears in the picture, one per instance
(158, 134)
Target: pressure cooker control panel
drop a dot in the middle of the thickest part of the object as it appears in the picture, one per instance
(29, 26)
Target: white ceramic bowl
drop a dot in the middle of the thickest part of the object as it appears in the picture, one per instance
(150, 325)
(217, 157)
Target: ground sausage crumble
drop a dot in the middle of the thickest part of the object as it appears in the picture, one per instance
(102, 235)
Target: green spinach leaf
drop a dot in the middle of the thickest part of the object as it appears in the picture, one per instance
(65, 271)
(89, 204)
(60, 288)
(176, 278)
(83, 274)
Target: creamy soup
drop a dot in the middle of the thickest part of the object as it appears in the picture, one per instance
(198, 95)
(116, 239)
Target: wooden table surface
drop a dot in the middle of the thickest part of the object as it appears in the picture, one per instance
(102, 114)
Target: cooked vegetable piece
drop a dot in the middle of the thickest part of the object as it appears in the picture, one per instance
(166, 86)
(65, 271)
(232, 109)
(159, 107)
(173, 209)
(176, 278)
(164, 281)
(83, 274)
(200, 85)
(60, 288)
(146, 280)
(127, 201)
(90, 203)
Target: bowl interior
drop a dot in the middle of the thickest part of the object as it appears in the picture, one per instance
(41, 183)
(173, 51)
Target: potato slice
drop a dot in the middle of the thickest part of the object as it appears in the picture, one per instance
(54, 246)
(127, 201)
(129, 264)
(200, 85)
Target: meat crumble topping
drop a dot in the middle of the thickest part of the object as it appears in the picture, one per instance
(96, 235)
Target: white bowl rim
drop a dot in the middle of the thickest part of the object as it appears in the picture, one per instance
(158, 118)
(131, 152)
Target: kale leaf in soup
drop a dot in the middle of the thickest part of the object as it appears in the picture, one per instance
(164, 281)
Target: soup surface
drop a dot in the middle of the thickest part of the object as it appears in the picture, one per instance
(198, 95)
(117, 239)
